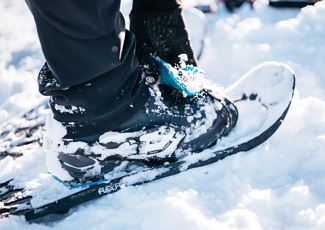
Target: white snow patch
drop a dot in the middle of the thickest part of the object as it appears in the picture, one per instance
(72, 110)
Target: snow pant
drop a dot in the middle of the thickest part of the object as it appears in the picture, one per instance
(91, 71)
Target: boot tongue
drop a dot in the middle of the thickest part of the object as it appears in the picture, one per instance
(187, 79)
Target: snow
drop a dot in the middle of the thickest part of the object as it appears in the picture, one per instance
(20, 59)
(279, 185)
(72, 110)
(262, 80)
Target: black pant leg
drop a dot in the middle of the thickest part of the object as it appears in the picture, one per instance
(91, 71)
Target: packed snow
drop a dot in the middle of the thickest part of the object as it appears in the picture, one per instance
(279, 185)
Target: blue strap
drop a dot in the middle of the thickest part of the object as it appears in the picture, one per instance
(170, 76)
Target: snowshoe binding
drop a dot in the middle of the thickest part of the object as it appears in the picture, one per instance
(177, 117)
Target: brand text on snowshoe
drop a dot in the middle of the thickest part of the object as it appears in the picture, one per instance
(109, 188)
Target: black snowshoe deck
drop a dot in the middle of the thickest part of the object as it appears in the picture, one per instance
(17, 201)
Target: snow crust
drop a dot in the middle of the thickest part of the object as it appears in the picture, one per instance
(279, 185)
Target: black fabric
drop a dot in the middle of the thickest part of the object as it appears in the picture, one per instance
(99, 106)
(91, 71)
(153, 6)
(163, 34)
(80, 39)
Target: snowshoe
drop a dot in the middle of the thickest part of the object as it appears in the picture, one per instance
(37, 194)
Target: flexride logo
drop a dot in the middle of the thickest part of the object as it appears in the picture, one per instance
(109, 188)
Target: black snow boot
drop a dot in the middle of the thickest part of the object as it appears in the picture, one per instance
(160, 132)
(160, 34)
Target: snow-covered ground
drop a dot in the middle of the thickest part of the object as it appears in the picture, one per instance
(279, 185)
